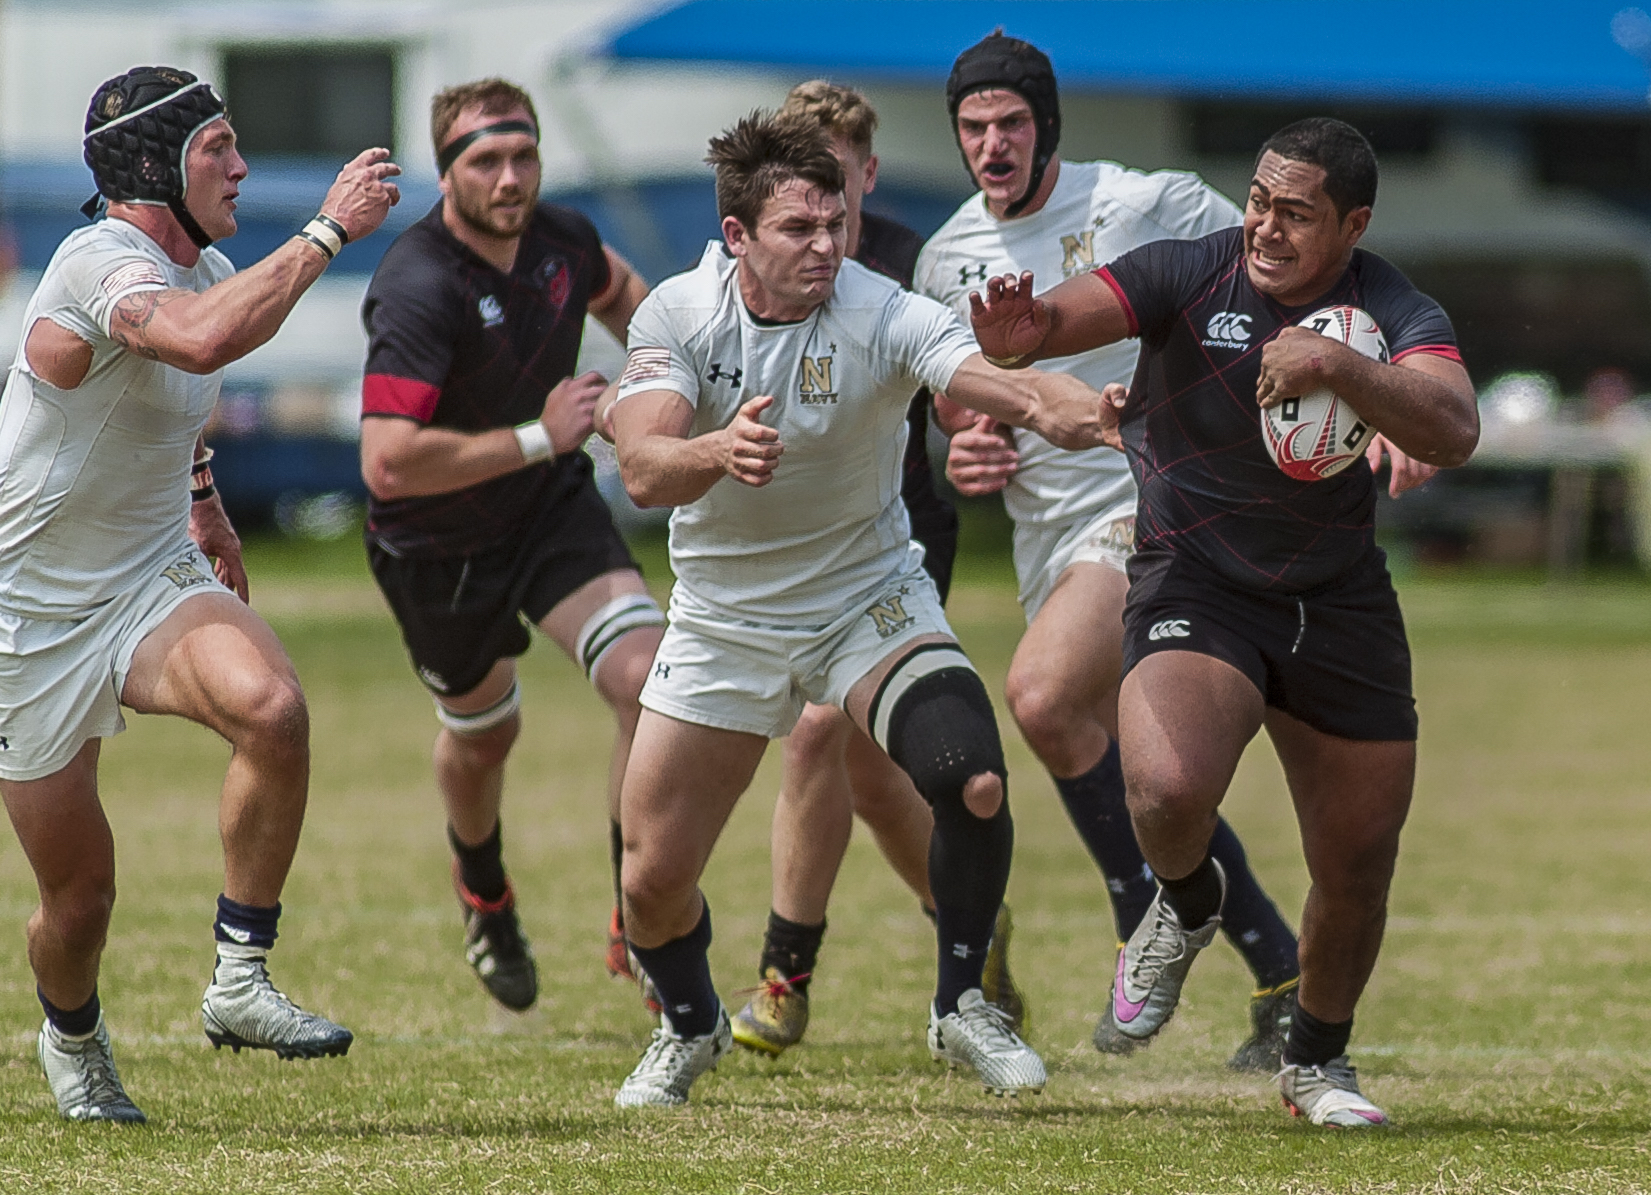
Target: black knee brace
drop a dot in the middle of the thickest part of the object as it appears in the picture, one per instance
(933, 717)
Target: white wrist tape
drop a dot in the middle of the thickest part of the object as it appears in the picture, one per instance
(534, 441)
(325, 232)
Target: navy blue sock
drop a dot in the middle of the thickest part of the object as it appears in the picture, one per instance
(681, 971)
(246, 925)
(1095, 803)
(969, 861)
(1250, 919)
(481, 867)
(1312, 1042)
(72, 1022)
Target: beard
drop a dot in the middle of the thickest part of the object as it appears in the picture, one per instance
(480, 215)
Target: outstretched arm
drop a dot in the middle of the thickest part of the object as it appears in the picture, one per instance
(201, 333)
(661, 466)
(1057, 406)
(1015, 328)
(1424, 405)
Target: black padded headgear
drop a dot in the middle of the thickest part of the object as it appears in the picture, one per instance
(138, 130)
(999, 63)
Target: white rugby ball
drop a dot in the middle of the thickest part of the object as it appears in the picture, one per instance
(1318, 435)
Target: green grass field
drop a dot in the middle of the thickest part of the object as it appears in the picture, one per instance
(1507, 1029)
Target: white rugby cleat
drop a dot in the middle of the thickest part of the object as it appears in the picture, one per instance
(1153, 966)
(671, 1063)
(82, 1075)
(978, 1035)
(1328, 1095)
(242, 1009)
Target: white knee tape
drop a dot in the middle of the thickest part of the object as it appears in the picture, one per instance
(927, 659)
(499, 712)
(626, 613)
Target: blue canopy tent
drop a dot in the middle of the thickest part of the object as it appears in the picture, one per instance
(1579, 54)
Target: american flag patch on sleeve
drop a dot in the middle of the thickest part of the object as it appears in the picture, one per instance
(130, 275)
(646, 365)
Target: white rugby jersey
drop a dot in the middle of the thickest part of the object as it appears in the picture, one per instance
(94, 481)
(830, 527)
(1097, 211)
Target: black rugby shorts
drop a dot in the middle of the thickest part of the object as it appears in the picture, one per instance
(460, 615)
(1336, 658)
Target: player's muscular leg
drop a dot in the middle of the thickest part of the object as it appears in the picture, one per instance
(813, 816)
(470, 765)
(215, 662)
(681, 784)
(619, 675)
(1063, 681)
(1183, 722)
(1351, 801)
(67, 840)
(890, 805)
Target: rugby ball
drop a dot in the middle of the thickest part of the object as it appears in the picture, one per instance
(1318, 435)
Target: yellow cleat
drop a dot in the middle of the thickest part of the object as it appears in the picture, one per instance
(776, 1017)
(996, 984)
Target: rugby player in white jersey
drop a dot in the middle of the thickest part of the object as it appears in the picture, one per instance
(1074, 512)
(832, 770)
(765, 397)
(110, 536)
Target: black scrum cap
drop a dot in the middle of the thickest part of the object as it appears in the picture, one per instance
(138, 130)
(1004, 63)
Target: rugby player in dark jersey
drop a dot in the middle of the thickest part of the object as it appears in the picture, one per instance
(832, 770)
(484, 516)
(1257, 600)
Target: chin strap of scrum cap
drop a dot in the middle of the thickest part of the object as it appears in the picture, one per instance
(999, 63)
(138, 130)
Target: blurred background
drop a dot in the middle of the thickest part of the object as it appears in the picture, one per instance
(1514, 138)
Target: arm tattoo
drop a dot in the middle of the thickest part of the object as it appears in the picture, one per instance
(129, 324)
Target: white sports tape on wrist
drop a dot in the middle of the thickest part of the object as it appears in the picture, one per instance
(626, 613)
(325, 233)
(534, 441)
(499, 712)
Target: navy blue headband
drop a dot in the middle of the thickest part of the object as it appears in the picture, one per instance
(448, 156)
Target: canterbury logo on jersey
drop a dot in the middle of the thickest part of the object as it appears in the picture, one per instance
(1228, 330)
(491, 312)
(817, 388)
(1170, 628)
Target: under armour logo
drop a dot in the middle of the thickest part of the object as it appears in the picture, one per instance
(5, 743)
(978, 270)
(961, 950)
(1170, 628)
(718, 372)
(662, 671)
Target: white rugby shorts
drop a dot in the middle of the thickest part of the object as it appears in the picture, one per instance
(715, 671)
(1043, 551)
(61, 679)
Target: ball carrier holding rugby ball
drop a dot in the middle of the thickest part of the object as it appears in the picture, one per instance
(1256, 599)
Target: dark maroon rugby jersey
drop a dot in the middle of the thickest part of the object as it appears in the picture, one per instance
(454, 342)
(891, 249)
(1192, 428)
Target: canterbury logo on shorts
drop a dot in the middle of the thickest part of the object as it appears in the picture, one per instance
(1169, 628)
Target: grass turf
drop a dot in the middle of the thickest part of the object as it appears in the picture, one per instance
(1506, 1029)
